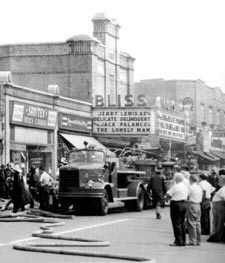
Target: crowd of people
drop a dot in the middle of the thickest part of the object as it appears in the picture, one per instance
(193, 198)
(24, 189)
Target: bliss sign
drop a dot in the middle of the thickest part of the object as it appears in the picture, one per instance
(140, 100)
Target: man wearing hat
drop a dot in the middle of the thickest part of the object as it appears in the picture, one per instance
(218, 210)
(158, 187)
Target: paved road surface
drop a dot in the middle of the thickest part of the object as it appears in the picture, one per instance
(134, 234)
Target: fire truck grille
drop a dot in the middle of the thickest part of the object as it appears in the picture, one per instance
(69, 178)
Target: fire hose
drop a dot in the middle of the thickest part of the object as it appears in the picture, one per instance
(80, 242)
(47, 233)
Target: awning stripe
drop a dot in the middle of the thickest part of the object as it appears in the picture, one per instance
(221, 155)
(203, 156)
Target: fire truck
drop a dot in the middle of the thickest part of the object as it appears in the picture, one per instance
(92, 181)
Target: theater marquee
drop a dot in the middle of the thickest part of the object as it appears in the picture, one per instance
(172, 127)
(123, 121)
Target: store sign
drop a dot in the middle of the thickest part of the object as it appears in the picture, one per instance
(74, 123)
(171, 126)
(123, 121)
(33, 116)
(143, 100)
(218, 140)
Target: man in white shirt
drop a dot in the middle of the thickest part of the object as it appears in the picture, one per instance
(45, 184)
(218, 210)
(207, 189)
(194, 211)
(178, 194)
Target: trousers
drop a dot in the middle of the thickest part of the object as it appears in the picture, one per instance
(177, 214)
(218, 232)
(194, 222)
(205, 220)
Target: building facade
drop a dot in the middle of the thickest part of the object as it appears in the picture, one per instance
(33, 124)
(206, 104)
(83, 67)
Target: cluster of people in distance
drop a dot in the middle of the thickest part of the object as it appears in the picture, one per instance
(191, 197)
(22, 190)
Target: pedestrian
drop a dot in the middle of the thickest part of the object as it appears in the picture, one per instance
(213, 179)
(33, 181)
(178, 194)
(185, 172)
(18, 192)
(45, 184)
(218, 211)
(3, 185)
(208, 190)
(194, 211)
(158, 188)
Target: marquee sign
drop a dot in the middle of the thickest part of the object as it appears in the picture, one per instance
(33, 116)
(171, 126)
(123, 121)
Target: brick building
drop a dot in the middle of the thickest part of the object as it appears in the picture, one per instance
(208, 104)
(83, 66)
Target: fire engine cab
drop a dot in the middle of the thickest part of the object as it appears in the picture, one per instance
(91, 182)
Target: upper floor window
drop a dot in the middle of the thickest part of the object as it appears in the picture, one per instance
(210, 115)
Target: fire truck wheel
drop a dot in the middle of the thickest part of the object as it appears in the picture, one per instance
(140, 201)
(103, 205)
(64, 205)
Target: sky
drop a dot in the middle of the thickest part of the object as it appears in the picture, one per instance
(170, 39)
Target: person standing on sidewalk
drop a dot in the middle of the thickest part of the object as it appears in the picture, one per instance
(194, 211)
(158, 187)
(46, 182)
(218, 211)
(207, 189)
(178, 194)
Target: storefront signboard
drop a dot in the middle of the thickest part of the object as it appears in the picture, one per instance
(123, 121)
(18, 147)
(33, 116)
(171, 126)
(74, 123)
(218, 140)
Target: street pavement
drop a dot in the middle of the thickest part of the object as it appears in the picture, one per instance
(130, 233)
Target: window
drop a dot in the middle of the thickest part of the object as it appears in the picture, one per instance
(100, 68)
(202, 112)
(218, 117)
(210, 116)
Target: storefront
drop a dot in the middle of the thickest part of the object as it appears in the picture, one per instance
(73, 130)
(32, 122)
(32, 135)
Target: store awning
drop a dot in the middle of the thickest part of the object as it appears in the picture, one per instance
(204, 156)
(78, 142)
(211, 155)
(115, 142)
(220, 155)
